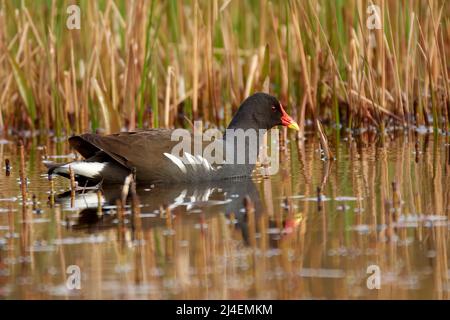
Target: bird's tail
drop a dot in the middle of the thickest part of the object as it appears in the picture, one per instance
(86, 173)
(52, 166)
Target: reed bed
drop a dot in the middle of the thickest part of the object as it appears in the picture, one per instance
(141, 64)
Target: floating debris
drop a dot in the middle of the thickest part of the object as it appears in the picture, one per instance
(7, 168)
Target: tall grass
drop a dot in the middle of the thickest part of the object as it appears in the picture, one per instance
(159, 63)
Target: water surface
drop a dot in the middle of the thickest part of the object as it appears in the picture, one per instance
(380, 205)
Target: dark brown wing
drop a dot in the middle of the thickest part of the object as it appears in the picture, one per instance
(127, 148)
(143, 150)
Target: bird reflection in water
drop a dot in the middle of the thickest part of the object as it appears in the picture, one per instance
(189, 202)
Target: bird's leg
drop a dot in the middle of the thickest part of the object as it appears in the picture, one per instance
(100, 185)
(85, 186)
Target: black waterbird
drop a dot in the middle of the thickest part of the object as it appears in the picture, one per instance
(110, 158)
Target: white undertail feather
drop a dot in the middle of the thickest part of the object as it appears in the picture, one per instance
(82, 168)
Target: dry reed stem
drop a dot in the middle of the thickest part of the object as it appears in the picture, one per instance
(135, 206)
(22, 174)
(168, 214)
(52, 191)
(126, 188)
(169, 76)
(120, 212)
(99, 203)
(7, 167)
(250, 213)
(195, 67)
(73, 186)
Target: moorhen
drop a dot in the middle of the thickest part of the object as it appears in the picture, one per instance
(147, 153)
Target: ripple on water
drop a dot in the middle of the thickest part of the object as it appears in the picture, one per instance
(59, 290)
(414, 220)
(12, 199)
(62, 156)
(123, 268)
(80, 240)
(325, 198)
(348, 198)
(36, 221)
(42, 247)
(148, 215)
(321, 273)
(233, 256)
(361, 228)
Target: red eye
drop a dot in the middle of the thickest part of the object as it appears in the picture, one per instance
(274, 108)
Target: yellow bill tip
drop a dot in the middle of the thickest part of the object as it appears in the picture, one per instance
(294, 125)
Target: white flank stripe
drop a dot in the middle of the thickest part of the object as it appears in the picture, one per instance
(192, 161)
(205, 163)
(176, 161)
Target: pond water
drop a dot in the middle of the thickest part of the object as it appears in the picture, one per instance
(316, 230)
